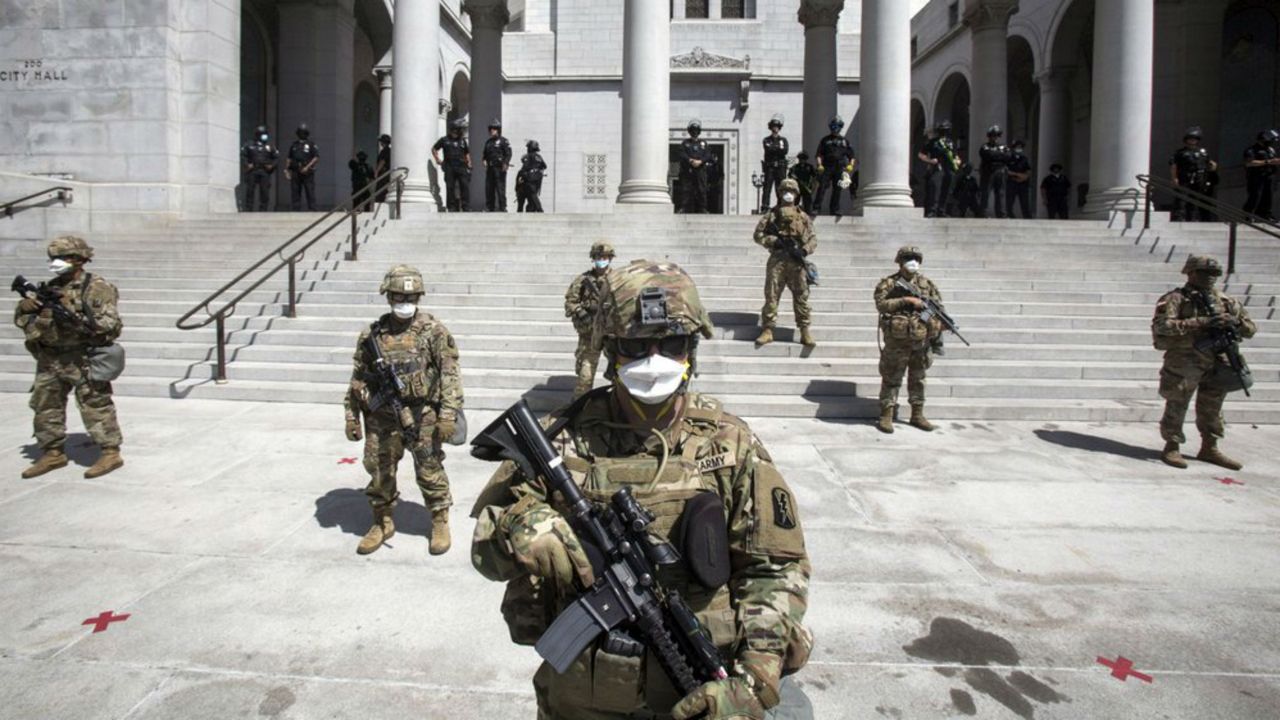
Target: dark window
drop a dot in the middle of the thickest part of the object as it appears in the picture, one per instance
(695, 9)
(733, 9)
(953, 14)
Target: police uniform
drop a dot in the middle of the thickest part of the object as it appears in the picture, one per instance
(1259, 179)
(834, 154)
(529, 181)
(805, 175)
(693, 177)
(703, 456)
(302, 153)
(907, 341)
(968, 193)
(1057, 195)
(382, 166)
(1019, 191)
(361, 176)
(1191, 164)
(259, 157)
(457, 175)
(995, 175)
(940, 175)
(497, 158)
(776, 149)
(425, 358)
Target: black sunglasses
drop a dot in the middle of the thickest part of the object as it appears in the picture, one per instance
(672, 346)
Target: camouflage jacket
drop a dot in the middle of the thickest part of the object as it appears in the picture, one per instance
(757, 618)
(43, 331)
(425, 357)
(582, 299)
(898, 318)
(1180, 319)
(786, 221)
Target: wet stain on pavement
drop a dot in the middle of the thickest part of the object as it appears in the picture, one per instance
(955, 641)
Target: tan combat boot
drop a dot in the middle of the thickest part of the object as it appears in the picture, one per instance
(51, 460)
(1210, 453)
(382, 530)
(885, 425)
(109, 461)
(440, 541)
(765, 337)
(806, 338)
(1171, 456)
(918, 419)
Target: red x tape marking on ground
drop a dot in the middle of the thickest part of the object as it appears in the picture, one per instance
(107, 617)
(1122, 669)
(1228, 481)
(347, 461)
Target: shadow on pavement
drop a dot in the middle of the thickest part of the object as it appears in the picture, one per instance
(838, 400)
(737, 325)
(79, 447)
(1093, 443)
(348, 509)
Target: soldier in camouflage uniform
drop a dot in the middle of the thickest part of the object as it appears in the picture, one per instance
(907, 339)
(786, 224)
(649, 432)
(425, 357)
(580, 304)
(1183, 317)
(61, 348)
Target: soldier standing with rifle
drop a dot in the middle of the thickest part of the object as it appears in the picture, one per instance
(1189, 168)
(1200, 329)
(677, 473)
(581, 302)
(787, 233)
(407, 385)
(774, 165)
(908, 337)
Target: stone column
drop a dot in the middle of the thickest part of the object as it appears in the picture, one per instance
(1120, 127)
(537, 15)
(885, 112)
(487, 21)
(821, 88)
(1055, 127)
(384, 99)
(416, 112)
(646, 105)
(988, 22)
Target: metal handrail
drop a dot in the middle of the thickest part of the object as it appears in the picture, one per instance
(1232, 216)
(62, 193)
(348, 209)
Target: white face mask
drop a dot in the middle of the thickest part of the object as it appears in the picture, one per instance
(911, 266)
(60, 266)
(788, 197)
(404, 311)
(653, 379)
(600, 264)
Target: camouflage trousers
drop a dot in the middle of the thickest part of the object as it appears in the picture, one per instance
(585, 360)
(785, 272)
(899, 357)
(383, 448)
(1182, 377)
(57, 376)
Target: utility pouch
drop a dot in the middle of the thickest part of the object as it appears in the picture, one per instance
(706, 539)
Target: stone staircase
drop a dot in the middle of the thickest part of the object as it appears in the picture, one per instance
(1058, 312)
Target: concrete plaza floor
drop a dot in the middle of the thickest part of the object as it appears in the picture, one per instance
(983, 570)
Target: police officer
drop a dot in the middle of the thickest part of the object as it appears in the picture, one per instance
(1260, 161)
(695, 155)
(939, 155)
(835, 164)
(682, 456)
(776, 149)
(529, 179)
(382, 165)
(457, 166)
(1055, 190)
(61, 342)
(908, 339)
(805, 175)
(259, 157)
(786, 227)
(421, 352)
(994, 170)
(1182, 318)
(361, 176)
(1019, 186)
(300, 169)
(497, 160)
(581, 301)
(968, 193)
(1189, 168)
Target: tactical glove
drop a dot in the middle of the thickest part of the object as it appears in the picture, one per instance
(730, 699)
(28, 306)
(544, 545)
(445, 428)
(353, 430)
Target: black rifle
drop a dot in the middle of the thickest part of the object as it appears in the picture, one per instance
(1224, 341)
(389, 389)
(50, 298)
(626, 595)
(931, 309)
(792, 246)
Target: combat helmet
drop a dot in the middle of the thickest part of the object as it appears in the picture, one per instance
(995, 130)
(458, 124)
(404, 279)
(1199, 263)
(303, 131)
(70, 246)
(1193, 132)
(533, 146)
(602, 250)
(908, 252)
(790, 185)
(651, 299)
(835, 123)
(694, 124)
(495, 123)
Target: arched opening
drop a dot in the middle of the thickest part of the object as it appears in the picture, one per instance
(953, 104)
(918, 140)
(1071, 62)
(1023, 95)
(459, 96)
(1250, 40)
(365, 120)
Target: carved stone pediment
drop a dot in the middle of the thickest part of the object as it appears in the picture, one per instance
(700, 59)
